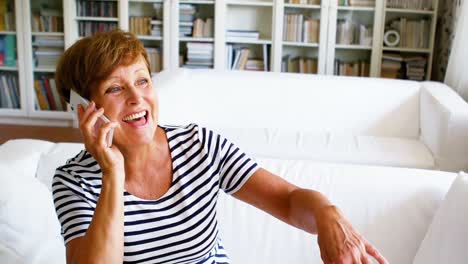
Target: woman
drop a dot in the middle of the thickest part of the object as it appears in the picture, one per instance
(151, 196)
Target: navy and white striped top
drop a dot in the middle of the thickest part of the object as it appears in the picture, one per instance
(179, 227)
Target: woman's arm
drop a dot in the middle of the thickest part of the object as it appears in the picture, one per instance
(104, 239)
(103, 242)
(310, 211)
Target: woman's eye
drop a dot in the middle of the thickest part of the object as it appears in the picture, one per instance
(113, 89)
(141, 82)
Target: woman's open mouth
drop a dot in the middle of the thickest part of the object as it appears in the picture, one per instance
(137, 119)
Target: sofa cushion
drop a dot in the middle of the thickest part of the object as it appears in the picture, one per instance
(55, 157)
(29, 228)
(446, 240)
(23, 154)
(391, 207)
(331, 147)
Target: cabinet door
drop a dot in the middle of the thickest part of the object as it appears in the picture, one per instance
(249, 35)
(149, 21)
(44, 44)
(12, 92)
(303, 39)
(194, 34)
(352, 37)
(408, 39)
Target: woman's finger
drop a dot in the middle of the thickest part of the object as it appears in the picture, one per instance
(371, 250)
(103, 132)
(90, 122)
(83, 112)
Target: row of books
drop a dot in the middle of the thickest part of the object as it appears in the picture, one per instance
(412, 67)
(9, 91)
(7, 50)
(299, 64)
(413, 33)
(199, 55)
(148, 25)
(7, 15)
(187, 12)
(140, 25)
(47, 23)
(46, 57)
(352, 33)
(243, 34)
(50, 41)
(155, 58)
(47, 19)
(47, 95)
(243, 58)
(298, 28)
(88, 28)
(361, 3)
(303, 2)
(203, 28)
(356, 68)
(411, 4)
(96, 8)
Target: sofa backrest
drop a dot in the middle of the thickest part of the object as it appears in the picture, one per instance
(366, 106)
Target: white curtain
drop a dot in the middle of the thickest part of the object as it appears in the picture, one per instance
(457, 68)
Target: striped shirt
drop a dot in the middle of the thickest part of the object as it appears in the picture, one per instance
(179, 227)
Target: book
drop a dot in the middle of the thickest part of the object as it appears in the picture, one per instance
(10, 54)
(40, 96)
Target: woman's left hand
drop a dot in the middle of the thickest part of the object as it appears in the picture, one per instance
(340, 243)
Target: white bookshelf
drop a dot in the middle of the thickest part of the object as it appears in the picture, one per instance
(265, 16)
(390, 14)
(292, 47)
(19, 69)
(36, 72)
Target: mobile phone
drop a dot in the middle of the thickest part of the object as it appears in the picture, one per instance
(76, 99)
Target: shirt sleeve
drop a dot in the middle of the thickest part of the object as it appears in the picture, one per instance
(235, 166)
(73, 207)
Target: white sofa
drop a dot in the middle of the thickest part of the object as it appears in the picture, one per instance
(324, 118)
(400, 210)
(392, 207)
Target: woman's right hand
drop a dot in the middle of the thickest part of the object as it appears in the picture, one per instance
(110, 159)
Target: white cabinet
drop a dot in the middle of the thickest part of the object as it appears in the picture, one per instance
(13, 90)
(334, 37)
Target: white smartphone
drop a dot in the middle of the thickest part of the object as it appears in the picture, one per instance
(76, 99)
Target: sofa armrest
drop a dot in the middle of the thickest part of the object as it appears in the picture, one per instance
(444, 126)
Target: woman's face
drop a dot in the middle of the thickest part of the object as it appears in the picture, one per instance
(128, 98)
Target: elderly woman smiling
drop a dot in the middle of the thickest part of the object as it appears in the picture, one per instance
(151, 196)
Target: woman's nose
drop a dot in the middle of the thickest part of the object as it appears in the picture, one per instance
(133, 96)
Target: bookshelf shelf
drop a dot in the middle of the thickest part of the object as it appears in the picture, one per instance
(300, 44)
(410, 50)
(302, 6)
(7, 32)
(356, 8)
(190, 39)
(410, 11)
(201, 2)
(48, 114)
(146, 1)
(353, 47)
(8, 68)
(248, 41)
(249, 3)
(144, 37)
(102, 19)
(44, 69)
(57, 34)
(11, 112)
